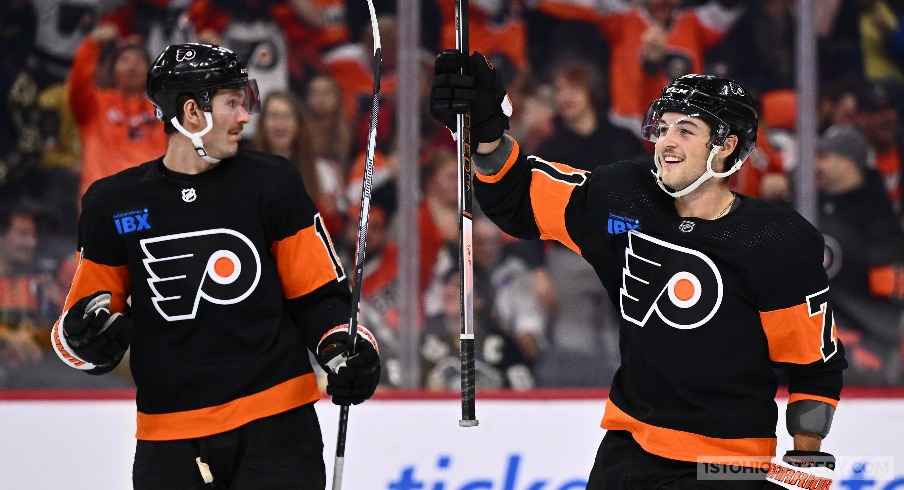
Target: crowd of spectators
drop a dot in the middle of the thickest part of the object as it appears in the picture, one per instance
(580, 74)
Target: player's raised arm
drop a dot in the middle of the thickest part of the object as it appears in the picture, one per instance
(523, 203)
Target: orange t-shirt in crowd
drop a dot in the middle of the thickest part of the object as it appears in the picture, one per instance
(117, 131)
(631, 89)
(350, 66)
(507, 39)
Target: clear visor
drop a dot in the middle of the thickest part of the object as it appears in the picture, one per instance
(706, 127)
(245, 95)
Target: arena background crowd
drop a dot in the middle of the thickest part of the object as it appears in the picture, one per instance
(580, 74)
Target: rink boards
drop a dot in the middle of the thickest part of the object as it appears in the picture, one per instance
(535, 441)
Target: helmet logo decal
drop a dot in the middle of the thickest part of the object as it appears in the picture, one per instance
(183, 54)
(736, 89)
(189, 195)
(220, 266)
(681, 285)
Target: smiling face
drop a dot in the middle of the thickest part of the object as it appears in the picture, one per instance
(229, 117)
(682, 145)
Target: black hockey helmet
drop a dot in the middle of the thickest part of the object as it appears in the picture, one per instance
(721, 102)
(197, 70)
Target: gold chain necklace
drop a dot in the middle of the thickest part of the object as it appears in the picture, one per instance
(725, 210)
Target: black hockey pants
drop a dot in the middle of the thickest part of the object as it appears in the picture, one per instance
(283, 451)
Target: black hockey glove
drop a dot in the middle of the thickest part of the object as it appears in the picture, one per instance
(94, 334)
(350, 380)
(479, 90)
(815, 468)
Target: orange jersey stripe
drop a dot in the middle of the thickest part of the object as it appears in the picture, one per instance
(300, 270)
(91, 277)
(796, 397)
(549, 198)
(793, 335)
(687, 446)
(214, 420)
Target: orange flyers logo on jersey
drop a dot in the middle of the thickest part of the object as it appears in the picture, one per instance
(682, 286)
(220, 266)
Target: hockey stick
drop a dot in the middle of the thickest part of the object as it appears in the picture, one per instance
(366, 188)
(465, 249)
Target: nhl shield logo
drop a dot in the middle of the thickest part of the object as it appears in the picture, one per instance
(686, 226)
(184, 54)
(189, 195)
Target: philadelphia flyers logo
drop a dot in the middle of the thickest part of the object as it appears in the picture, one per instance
(220, 266)
(183, 54)
(682, 286)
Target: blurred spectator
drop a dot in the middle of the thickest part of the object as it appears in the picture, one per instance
(27, 296)
(438, 218)
(581, 132)
(260, 32)
(351, 66)
(62, 26)
(878, 21)
(116, 124)
(654, 42)
(495, 29)
(331, 131)
(763, 174)
(840, 55)
(759, 49)
(878, 118)
(283, 130)
(159, 22)
(837, 104)
(515, 309)
(562, 30)
(498, 361)
(532, 115)
(357, 17)
(30, 295)
(864, 257)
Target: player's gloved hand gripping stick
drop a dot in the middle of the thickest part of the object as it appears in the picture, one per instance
(351, 379)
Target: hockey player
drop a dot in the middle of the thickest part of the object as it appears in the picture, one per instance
(714, 289)
(214, 266)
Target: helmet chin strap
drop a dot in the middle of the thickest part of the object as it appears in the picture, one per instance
(196, 137)
(706, 175)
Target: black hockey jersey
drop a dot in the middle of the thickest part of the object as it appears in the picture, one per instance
(229, 276)
(708, 308)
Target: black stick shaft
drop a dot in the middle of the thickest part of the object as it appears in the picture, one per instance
(366, 188)
(465, 249)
